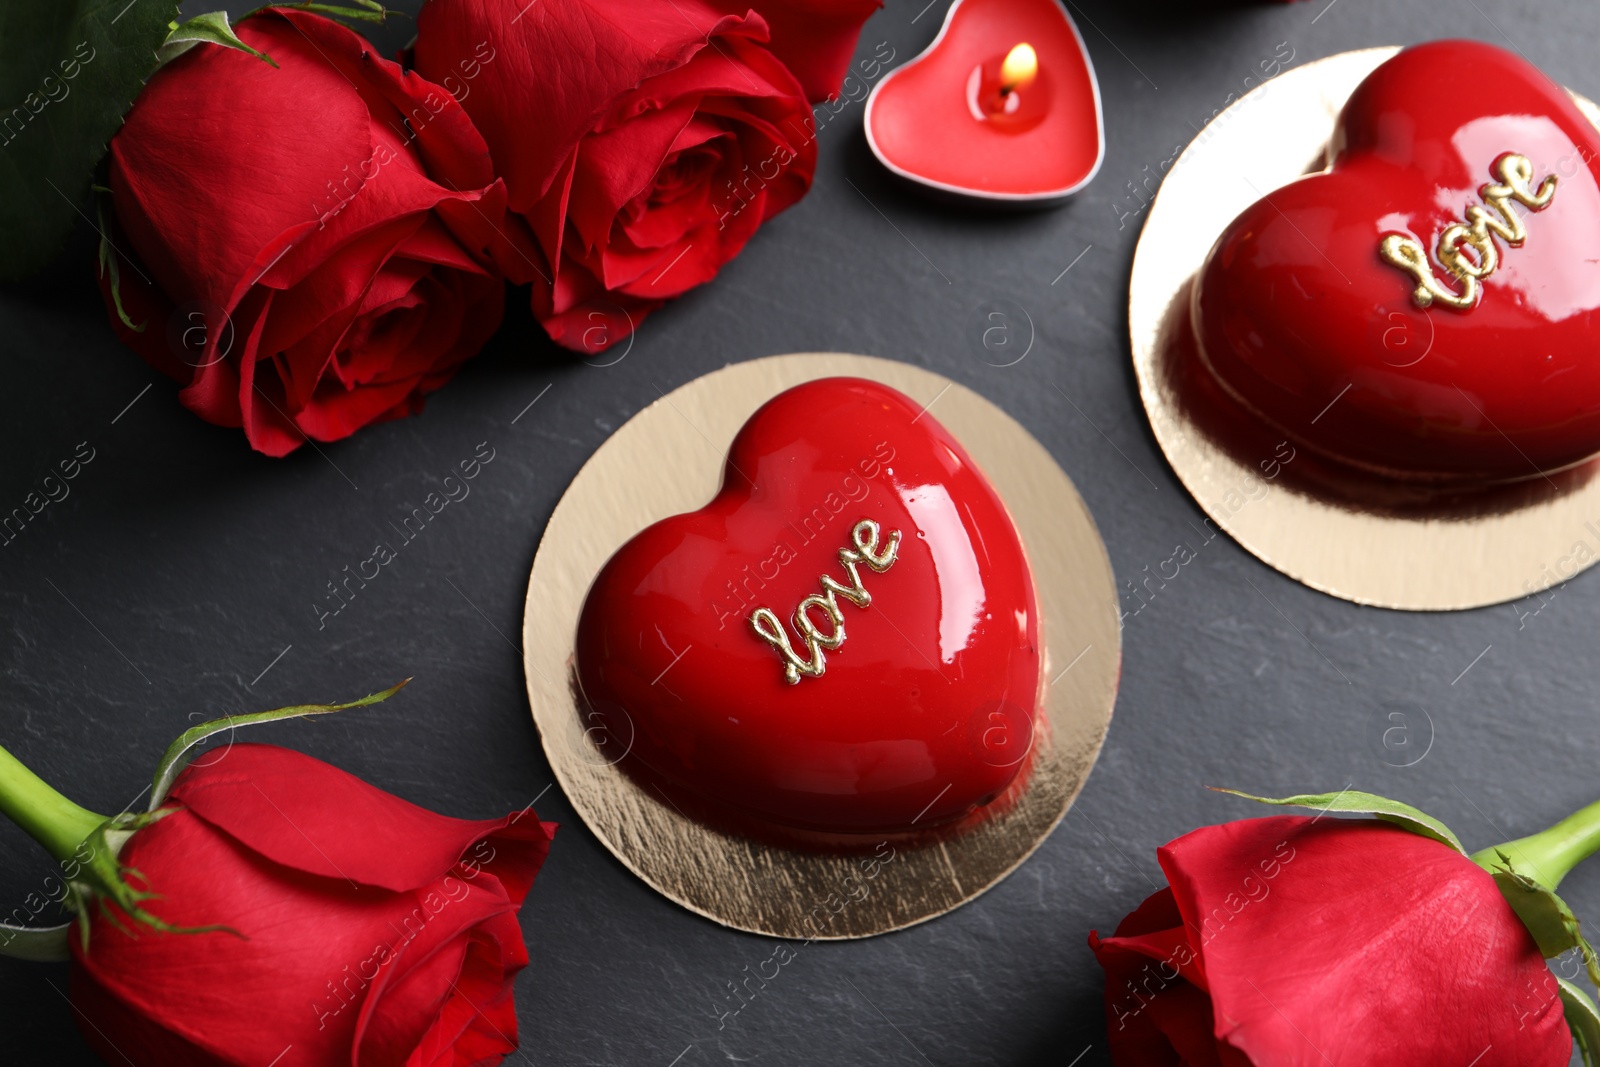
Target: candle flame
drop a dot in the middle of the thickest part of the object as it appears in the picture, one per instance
(1021, 66)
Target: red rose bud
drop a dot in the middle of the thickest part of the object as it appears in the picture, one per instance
(309, 245)
(272, 908)
(1307, 941)
(814, 38)
(643, 142)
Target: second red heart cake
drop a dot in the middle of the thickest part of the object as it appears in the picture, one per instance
(1425, 308)
(845, 639)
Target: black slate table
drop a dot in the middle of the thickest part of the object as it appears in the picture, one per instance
(177, 582)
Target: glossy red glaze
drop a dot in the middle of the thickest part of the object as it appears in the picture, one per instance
(1295, 308)
(921, 123)
(926, 710)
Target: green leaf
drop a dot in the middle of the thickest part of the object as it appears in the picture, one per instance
(69, 72)
(209, 28)
(1349, 800)
(172, 763)
(36, 944)
(1584, 1020)
(1548, 918)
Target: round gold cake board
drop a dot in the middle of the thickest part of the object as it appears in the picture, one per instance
(1383, 545)
(669, 459)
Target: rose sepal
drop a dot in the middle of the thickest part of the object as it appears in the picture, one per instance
(108, 258)
(103, 880)
(1548, 918)
(212, 27)
(172, 763)
(1583, 1018)
(1354, 802)
(367, 11)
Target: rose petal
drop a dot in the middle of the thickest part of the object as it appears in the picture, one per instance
(182, 157)
(616, 166)
(816, 38)
(478, 1021)
(1132, 1032)
(556, 67)
(315, 818)
(432, 943)
(308, 320)
(1378, 917)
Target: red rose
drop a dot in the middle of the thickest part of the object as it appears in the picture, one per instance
(816, 38)
(1309, 941)
(643, 141)
(364, 931)
(311, 244)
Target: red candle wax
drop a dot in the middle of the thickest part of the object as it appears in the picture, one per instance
(947, 120)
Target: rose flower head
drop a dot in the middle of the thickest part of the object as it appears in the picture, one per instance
(642, 143)
(306, 244)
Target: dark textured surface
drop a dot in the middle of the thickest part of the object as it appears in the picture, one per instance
(181, 566)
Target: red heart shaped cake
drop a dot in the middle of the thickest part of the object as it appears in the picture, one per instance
(1461, 214)
(845, 639)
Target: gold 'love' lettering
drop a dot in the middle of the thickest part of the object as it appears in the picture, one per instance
(768, 627)
(1467, 250)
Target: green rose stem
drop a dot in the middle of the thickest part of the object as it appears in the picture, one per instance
(50, 818)
(1549, 855)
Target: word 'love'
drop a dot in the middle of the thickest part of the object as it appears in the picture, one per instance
(768, 627)
(1467, 249)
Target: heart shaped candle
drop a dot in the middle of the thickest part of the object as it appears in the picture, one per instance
(1460, 215)
(844, 640)
(1002, 106)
